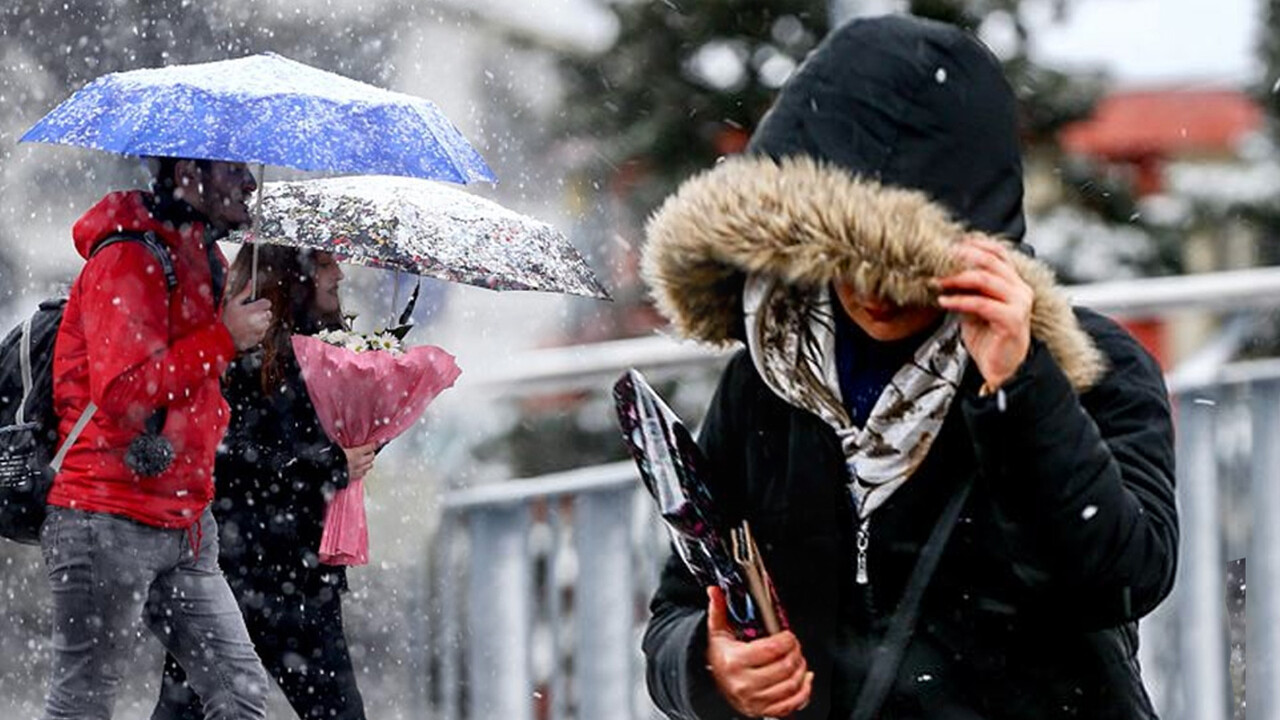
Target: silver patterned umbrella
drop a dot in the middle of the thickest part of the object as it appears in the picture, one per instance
(422, 227)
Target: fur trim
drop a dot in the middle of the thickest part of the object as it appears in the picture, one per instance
(809, 224)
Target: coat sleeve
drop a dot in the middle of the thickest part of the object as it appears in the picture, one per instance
(280, 434)
(1084, 484)
(675, 640)
(316, 455)
(134, 369)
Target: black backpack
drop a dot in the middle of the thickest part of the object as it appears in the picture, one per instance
(28, 426)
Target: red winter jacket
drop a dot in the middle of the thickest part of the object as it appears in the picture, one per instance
(132, 347)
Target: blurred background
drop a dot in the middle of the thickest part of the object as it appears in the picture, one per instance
(512, 554)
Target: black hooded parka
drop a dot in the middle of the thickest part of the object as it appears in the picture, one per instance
(1069, 534)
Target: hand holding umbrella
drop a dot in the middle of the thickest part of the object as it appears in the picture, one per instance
(247, 321)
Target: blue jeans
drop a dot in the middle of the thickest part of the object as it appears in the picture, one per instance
(109, 572)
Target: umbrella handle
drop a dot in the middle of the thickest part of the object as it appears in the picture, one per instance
(253, 274)
(257, 223)
(395, 298)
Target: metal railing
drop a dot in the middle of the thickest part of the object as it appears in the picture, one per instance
(540, 585)
(546, 622)
(1228, 498)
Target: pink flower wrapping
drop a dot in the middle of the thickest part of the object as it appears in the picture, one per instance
(360, 398)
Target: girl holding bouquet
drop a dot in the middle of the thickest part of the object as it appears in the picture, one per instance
(275, 473)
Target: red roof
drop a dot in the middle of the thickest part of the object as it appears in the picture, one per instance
(1132, 125)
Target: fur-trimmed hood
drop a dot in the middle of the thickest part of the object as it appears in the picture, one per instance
(910, 103)
(809, 224)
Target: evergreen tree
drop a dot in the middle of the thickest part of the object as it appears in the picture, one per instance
(1096, 210)
(1263, 213)
(684, 84)
(1266, 215)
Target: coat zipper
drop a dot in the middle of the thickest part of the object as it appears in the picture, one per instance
(863, 542)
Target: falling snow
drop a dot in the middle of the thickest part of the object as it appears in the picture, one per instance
(489, 67)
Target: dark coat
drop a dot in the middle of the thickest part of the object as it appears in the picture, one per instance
(1068, 537)
(274, 474)
(895, 138)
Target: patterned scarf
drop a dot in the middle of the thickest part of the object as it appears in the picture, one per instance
(791, 335)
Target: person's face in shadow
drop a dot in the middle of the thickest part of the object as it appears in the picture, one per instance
(327, 276)
(220, 191)
(882, 319)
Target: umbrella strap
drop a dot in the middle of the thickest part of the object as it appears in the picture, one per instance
(407, 315)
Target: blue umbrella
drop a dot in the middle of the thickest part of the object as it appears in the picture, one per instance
(264, 109)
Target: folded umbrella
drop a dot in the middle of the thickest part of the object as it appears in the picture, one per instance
(425, 228)
(264, 109)
(674, 471)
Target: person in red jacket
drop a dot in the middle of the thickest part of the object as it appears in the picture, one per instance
(128, 540)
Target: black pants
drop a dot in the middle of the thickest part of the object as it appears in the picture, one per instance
(301, 643)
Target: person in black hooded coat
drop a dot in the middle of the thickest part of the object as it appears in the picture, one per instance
(899, 358)
(274, 474)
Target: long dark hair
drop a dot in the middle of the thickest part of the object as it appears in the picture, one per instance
(286, 277)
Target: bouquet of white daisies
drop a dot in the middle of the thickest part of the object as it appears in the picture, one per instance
(354, 341)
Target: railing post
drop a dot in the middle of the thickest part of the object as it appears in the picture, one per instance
(558, 683)
(604, 601)
(1262, 609)
(1201, 591)
(448, 637)
(498, 614)
(1158, 655)
(421, 610)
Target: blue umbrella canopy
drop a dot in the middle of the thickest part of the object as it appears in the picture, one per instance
(264, 109)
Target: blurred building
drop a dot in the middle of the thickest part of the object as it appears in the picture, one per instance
(1188, 159)
(1145, 131)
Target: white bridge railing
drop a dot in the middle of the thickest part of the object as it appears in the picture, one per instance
(540, 585)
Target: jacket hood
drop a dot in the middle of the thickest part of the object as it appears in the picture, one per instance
(910, 103)
(122, 211)
(809, 224)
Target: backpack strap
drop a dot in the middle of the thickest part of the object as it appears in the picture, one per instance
(150, 242)
(161, 253)
(24, 362)
(65, 447)
(24, 355)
